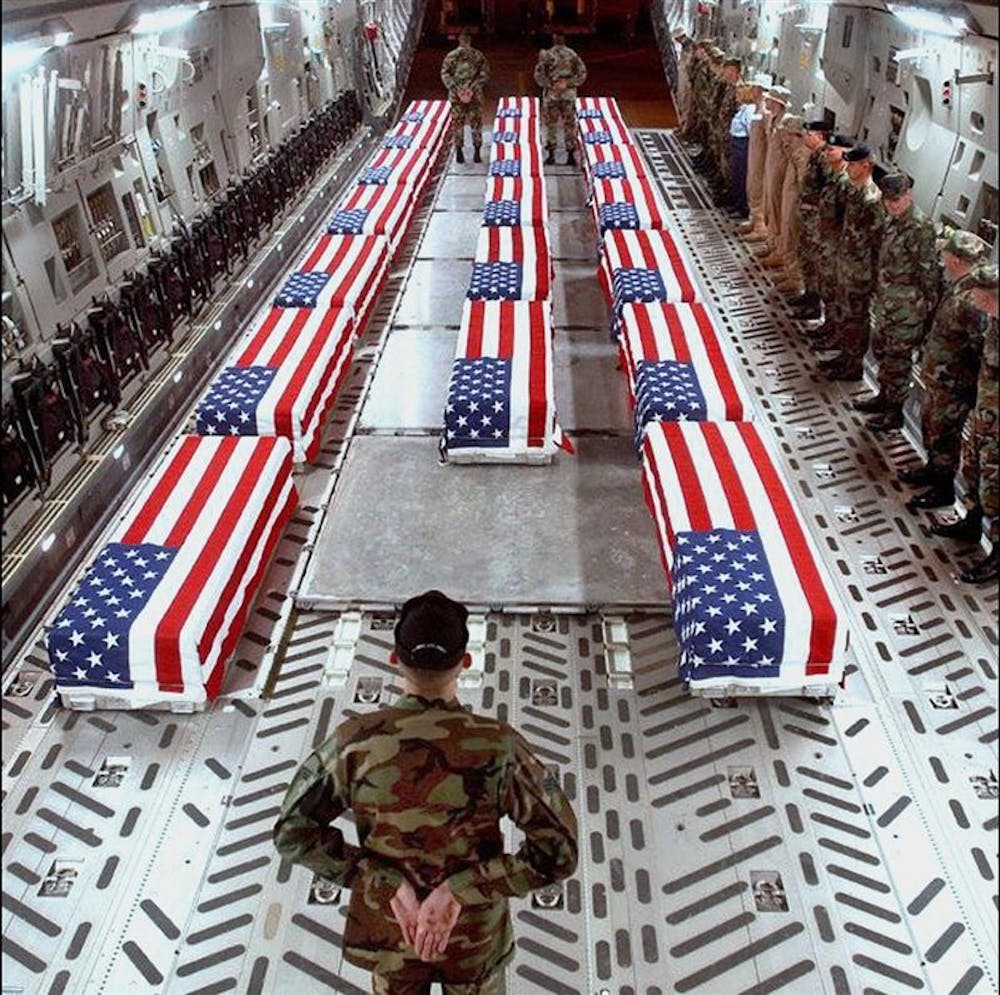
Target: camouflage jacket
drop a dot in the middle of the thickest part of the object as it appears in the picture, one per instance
(725, 109)
(559, 63)
(908, 273)
(954, 343)
(465, 67)
(816, 178)
(831, 204)
(428, 784)
(860, 235)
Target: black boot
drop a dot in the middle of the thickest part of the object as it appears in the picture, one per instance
(891, 418)
(919, 476)
(550, 159)
(571, 158)
(808, 300)
(985, 570)
(808, 313)
(875, 405)
(939, 495)
(967, 529)
(477, 153)
(459, 156)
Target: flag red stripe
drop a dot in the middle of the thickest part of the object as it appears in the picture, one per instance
(150, 510)
(824, 616)
(537, 408)
(292, 333)
(679, 268)
(695, 505)
(734, 407)
(542, 265)
(505, 339)
(166, 643)
(238, 573)
(296, 383)
(736, 496)
(493, 238)
(677, 337)
(664, 509)
(474, 340)
(267, 326)
(646, 335)
(202, 492)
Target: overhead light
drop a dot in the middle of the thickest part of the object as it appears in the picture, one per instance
(166, 19)
(21, 55)
(949, 25)
(48, 542)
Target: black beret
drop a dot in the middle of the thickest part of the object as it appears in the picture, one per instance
(840, 141)
(431, 633)
(858, 154)
(817, 126)
(894, 184)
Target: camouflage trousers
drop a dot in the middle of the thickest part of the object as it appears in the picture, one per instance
(849, 321)
(809, 249)
(554, 111)
(945, 408)
(892, 346)
(470, 114)
(387, 985)
(981, 453)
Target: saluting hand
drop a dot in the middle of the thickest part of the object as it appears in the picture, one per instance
(436, 919)
(405, 907)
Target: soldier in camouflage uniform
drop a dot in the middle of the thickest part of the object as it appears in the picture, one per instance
(856, 253)
(710, 80)
(723, 111)
(464, 73)
(980, 467)
(817, 175)
(949, 370)
(559, 71)
(428, 783)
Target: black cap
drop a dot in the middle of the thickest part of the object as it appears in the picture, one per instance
(840, 141)
(858, 154)
(431, 633)
(894, 185)
(817, 126)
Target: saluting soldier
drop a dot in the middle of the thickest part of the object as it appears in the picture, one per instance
(854, 260)
(428, 783)
(464, 73)
(949, 370)
(559, 71)
(724, 110)
(817, 175)
(980, 467)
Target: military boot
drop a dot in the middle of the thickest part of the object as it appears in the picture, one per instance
(875, 405)
(459, 156)
(887, 421)
(918, 476)
(985, 570)
(550, 159)
(756, 236)
(940, 494)
(571, 157)
(772, 261)
(968, 529)
(477, 153)
(807, 299)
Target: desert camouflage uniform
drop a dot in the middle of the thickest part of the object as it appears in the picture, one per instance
(465, 68)
(855, 256)
(559, 63)
(810, 243)
(428, 784)
(950, 369)
(981, 447)
(905, 293)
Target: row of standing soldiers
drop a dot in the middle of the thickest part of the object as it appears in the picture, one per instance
(860, 254)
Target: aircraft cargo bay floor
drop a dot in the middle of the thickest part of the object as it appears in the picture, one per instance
(744, 846)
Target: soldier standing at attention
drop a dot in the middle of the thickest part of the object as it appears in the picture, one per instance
(559, 71)
(816, 177)
(849, 319)
(949, 370)
(464, 73)
(428, 783)
(723, 113)
(980, 457)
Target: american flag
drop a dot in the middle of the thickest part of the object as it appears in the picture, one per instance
(651, 250)
(628, 203)
(529, 192)
(598, 138)
(387, 212)
(304, 290)
(477, 414)
(684, 334)
(503, 213)
(666, 391)
(517, 130)
(626, 158)
(505, 167)
(526, 247)
(282, 378)
(508, 107)
(357, 266)
(429, 130)
(397, 167)
(160, 608)
(603, 125)
(589, 112)
(528, 156)
(518, 334)
(495, 282)
(606, 107)
(751, 602)
(391, 141)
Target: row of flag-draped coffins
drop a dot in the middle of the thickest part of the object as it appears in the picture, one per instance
(500, 400)
(753, 609)
(158, 611)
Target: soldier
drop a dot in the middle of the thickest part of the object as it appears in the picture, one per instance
(979, 467)
(756, 156)
(723, 111)
(697, 69)
(796, 154)
(464, 73)
(854, 259)
(775, 102)
(816, 177)
(748, 96)
(949, 370)
(428, 784)
(707, 100)
(559, 71)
